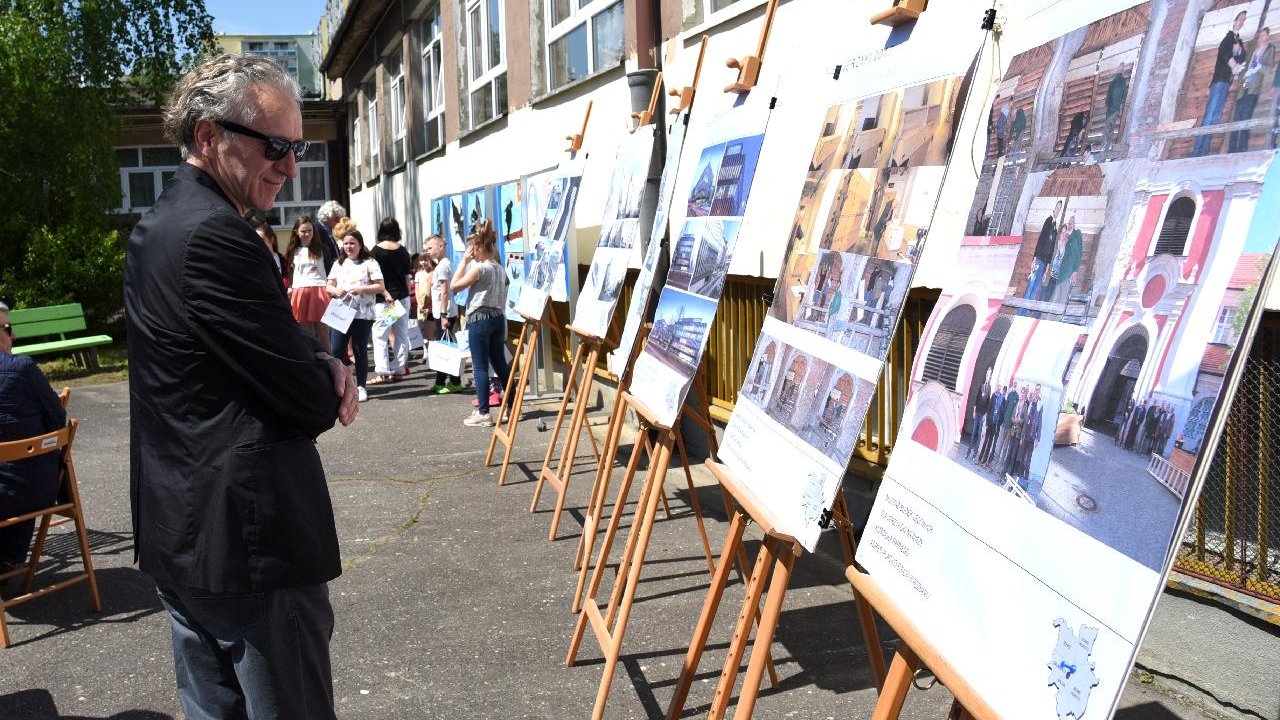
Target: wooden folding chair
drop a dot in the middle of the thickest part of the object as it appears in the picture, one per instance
(67, 507)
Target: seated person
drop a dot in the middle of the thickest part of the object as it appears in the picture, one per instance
(28, 407)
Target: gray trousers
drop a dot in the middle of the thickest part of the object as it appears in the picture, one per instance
(252, 657)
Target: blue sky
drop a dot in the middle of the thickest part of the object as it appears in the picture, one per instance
(274, 17)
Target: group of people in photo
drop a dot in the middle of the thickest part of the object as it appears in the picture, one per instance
(1059, 251)
(1250, 70)
(1005, 425)
(1147, 426)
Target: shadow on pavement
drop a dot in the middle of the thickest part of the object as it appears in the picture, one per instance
(39, 705)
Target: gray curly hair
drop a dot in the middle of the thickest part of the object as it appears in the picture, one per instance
(330, 209)
(218, 88)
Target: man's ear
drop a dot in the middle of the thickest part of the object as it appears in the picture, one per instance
(206, 137)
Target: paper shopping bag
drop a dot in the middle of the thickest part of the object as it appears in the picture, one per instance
(339, 315)
(445, 356)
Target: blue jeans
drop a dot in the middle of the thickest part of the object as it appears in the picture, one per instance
(261, 655)
(1038, 269)
(358, 334)
(488, 339)
(1212, 115)
(1245, 105)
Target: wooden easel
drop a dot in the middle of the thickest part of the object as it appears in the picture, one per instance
(600, 489)
(522, 361)
(773, 565)
(579, 382)
(610, 627)
(914, 650)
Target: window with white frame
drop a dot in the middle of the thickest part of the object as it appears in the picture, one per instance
(303, 195)
(432, 86)
(373, 161)
(1224, 332)
(486, 61)
(697, 12)
(356, 142)
(583, 38)
(395, 109)
(143, 174)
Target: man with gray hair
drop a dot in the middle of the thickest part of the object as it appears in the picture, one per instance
(329, 214)
(231, 513)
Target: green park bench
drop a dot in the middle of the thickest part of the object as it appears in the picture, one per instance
(59, 320)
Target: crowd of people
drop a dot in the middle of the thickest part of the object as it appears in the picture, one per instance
(389, 288)
(1147, 426)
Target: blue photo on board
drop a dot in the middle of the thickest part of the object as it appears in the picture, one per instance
(724, 176)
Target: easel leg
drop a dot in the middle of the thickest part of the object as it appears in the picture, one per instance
(620, 504)
(896, 685)
(623, 595)
(569, 387)
(696, 504)
(600, 487)
(702, 631)
(784, 560)
(742, 631)
(565, 469)
(508, 432)
(866, 616)
(519, 371)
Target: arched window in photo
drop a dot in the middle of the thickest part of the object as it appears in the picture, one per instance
(791, 382)
(947, 349)
(1176, 228)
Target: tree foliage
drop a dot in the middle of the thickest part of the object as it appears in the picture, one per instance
(65, 67)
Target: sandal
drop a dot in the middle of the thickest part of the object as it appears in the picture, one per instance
(381, 380)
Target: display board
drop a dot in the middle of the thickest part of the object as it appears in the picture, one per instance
(440, 221)
(653, 248)
(620, 233)
(700, 256)
(1071, 382)
(866, 205)
(509, 221)
(549, 200)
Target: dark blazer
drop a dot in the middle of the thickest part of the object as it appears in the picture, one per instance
(226, 396)
(28, 407)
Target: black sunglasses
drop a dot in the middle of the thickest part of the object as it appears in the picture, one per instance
(276, 147)
(7, 328)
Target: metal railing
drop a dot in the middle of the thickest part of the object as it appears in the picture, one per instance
(1169, 475)
(1234, 537)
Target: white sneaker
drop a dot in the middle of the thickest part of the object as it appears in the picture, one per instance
(361, 395)
(475, 419)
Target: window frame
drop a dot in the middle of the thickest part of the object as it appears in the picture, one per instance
(397, 123)
(472, 82)
(580, 15)
(431, 49)
(373, 131)
(157, 173)
(312, 205)
(356, 146)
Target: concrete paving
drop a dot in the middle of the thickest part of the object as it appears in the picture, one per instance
(453, 603)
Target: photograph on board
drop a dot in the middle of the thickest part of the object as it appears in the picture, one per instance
(700, 255)
(724, 176)
(810, 397)
(1134, 250)
(874, 176)
(680, 328)
(850, 299)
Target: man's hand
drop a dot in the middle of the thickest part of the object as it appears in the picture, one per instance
(344, 386)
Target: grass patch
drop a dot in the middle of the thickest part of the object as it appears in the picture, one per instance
(113, 365)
